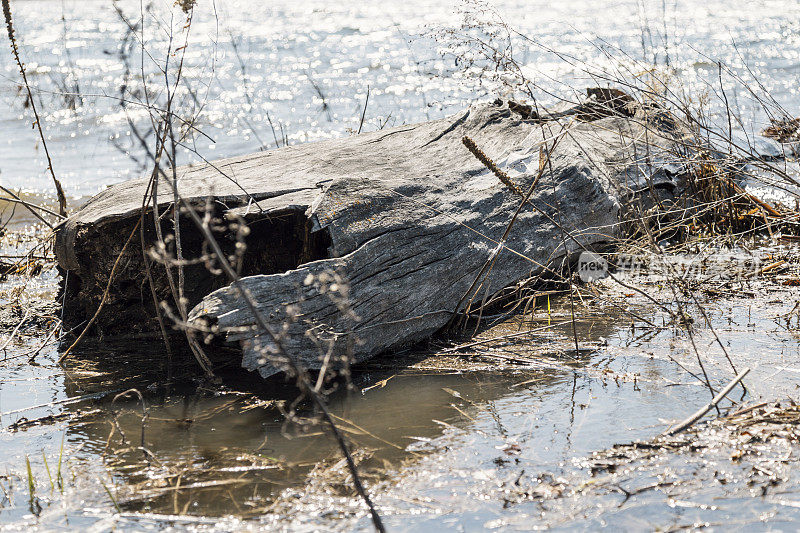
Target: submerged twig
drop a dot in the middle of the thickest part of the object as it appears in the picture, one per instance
(364, 112)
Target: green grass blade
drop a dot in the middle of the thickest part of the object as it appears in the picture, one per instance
(113, 500)
(31, 484)
(60, 479)
(47, 467)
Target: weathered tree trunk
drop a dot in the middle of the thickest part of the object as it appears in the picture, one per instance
(365, 244)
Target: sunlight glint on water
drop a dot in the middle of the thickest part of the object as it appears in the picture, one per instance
(288, 48)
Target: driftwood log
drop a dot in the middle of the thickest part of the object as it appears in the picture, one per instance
(362, 245)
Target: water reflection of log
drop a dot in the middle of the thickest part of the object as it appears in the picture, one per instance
(237, 446)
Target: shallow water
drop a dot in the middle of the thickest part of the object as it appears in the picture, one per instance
(443, 441)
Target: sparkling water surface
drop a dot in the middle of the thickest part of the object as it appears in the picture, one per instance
(303, 71)
(306, 68)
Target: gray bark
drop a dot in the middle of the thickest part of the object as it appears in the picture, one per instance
(365, 244)
(413, 217)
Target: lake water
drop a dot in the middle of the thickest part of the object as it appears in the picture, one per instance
(308, 65)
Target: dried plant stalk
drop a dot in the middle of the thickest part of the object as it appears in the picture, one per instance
(488, 163)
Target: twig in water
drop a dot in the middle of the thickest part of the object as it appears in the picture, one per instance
(31, 355)
(31, 483)
(16, 329)
(113, 499)
(243, 69)
(325, 106)
(47, 467)
(144, 412)
(17, 200)
(712, 404)
(59, 477)
(66, 401)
